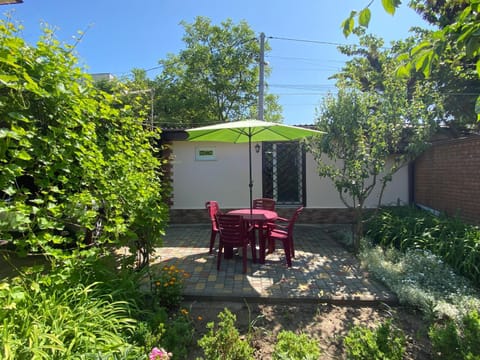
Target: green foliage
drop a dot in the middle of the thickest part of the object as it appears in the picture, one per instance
(457, 243)
(453, 48)
(93, 308)
(223, 342)
(363, 16)
(47, 317)
(167, 286)
(173, 330)
(214, 79)
(374, 125)
(385, 342)
(178, 334)
(457, 341)
(291, 346)
(78, 169)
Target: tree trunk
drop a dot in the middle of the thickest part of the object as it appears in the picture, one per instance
(357, 228)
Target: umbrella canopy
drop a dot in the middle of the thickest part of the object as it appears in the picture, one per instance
(249, 130)
(246, 131)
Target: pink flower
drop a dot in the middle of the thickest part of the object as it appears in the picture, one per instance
(159, 354)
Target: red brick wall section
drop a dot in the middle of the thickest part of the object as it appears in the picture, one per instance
(447, 178)
(308, 216)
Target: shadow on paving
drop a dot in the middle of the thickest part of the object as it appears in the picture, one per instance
(322, 271)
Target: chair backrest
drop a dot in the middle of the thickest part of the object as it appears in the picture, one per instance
(232, 229)
(213, 209)
(264, 203)
(293, 219)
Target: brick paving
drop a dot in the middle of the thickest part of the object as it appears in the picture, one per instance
(322, 271)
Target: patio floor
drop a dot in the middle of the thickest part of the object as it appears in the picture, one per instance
(323, 270)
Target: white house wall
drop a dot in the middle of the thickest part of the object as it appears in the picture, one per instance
(321, 192)
(225, 179)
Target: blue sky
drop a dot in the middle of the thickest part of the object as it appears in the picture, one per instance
(123, 34)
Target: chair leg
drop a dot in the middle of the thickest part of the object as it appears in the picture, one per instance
(219, 255)
(292, 247)
(287, 248)
(212, 240)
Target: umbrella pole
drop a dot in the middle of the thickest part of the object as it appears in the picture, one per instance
(250, 169)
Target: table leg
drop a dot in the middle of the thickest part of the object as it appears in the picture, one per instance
(262, 240)
(228, 252)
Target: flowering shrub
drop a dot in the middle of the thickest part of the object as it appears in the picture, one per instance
(167, 286)
(159, 354)
(403, 227)
(179, 334)
(422, 279)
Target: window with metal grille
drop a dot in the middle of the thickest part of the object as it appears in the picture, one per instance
(284, 172)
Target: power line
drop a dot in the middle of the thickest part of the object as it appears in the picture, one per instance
(308, 41)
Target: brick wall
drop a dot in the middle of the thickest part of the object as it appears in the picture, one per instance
(447, 178)
(308, 216)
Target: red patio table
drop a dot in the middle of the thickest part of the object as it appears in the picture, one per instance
(260, 217)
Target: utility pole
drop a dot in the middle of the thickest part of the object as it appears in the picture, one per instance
(262, 75)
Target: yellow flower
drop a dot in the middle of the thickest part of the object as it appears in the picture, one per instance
(158, 283)
(199, 318)
(184, 311)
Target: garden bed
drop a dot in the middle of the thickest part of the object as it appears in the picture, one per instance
(324, 322)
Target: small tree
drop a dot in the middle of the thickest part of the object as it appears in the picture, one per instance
(365, 139)
(375, 127)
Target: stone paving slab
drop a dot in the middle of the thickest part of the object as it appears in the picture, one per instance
(322, 271)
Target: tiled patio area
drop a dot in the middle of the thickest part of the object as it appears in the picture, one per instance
(323, 270)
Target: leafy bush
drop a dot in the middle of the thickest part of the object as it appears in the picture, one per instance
(86, 307)
(457, 243)
(167, 286)
(178, 334)
(452, 341)
(386, 342)
(291, 346)
(78, 168)
(43, 317)
(223, 342)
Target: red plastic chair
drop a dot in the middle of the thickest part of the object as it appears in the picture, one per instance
(234, 233)
(264, 203)
(284, 233)
(213, 209)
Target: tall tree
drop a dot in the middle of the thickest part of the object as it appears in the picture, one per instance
(214, 79)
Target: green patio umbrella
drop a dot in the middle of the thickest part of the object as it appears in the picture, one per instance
(246, 131)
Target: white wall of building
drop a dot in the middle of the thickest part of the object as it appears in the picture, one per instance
(226, 179)
(321, 192)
